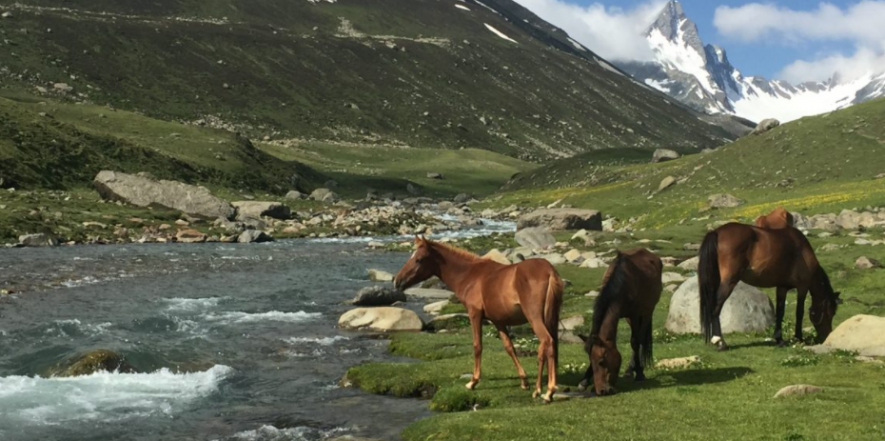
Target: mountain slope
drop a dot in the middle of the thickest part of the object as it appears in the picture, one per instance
(422, 73)
(702, 77)
(814, 165)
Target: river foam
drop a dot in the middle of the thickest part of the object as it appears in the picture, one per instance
(271, 316)
(103, 396)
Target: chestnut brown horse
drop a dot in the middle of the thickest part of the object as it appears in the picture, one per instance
(507, 295)
(631, 290)
(778, 218)
(765, 258)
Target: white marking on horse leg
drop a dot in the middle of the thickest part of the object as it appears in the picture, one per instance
(716, 339)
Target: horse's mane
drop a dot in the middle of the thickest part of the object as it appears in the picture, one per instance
(824, 280)
(454, 250)
(608, 294)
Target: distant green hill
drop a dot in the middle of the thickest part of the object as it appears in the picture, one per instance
(816, 164)
(422, 73)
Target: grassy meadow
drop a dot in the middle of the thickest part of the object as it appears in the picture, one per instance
(728, 395)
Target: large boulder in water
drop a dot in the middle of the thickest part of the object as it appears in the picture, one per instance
(746, 310)
(384, 318)
(864, 334)
(258, 209)
(254, 236)
(144, 191)
(557, 219)
(378, 296)
(90, 363)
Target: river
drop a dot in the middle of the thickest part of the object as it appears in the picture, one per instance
(237, 342)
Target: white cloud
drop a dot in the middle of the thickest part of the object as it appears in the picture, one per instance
(860, 24)
(754, 22)
(612, 32)
(864, 61)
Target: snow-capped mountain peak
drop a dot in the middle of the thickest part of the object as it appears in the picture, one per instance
(702, 77)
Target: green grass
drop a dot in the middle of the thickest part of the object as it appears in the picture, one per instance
(473, 171)
(727, 396)
(813, 165)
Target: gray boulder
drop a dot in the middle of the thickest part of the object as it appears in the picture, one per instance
(724, 201)
(294, 195)
(662, 155)
(378, 296)
(143, 191)
(461, 198)
(864, 334)
(535, 238)
(258, 209)
(324, 195)
(666, 183)
(747, 310)
(557, 219)
(765, 125)
(254, 236)
(37, 240)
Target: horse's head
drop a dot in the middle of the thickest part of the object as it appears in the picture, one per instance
(606, 363)
(420, 266)
(824, 302)
(822, 312)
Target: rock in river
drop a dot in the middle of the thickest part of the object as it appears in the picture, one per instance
(90, 363)
(378, 296)
(382, 318)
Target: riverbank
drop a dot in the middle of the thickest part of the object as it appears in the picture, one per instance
(727, 395)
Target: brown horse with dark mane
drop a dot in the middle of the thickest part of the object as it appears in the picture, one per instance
(631, 289)
(765, 258)
(507, 295)
(778, 218)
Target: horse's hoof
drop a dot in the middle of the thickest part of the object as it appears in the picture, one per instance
(721, 346)
(582, 386)
(524, 386)
(640, 377)
(536, 393)
(548, 398)
(471, 385)
(782, 344)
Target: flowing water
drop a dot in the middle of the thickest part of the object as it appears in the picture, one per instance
(236, 342)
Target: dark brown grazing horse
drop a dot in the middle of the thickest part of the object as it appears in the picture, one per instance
(507, 295)
(631, 289)
(778, 218)
(765, 258)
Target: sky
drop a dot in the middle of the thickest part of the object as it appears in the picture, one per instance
(794, 40)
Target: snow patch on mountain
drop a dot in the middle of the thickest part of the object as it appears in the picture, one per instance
(499, 33)
(701, 77)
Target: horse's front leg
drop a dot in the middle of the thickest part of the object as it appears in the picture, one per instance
(635, 365)
(508, 346)
(588, 379)
(779, 315)
(800, 312)
(476, 324)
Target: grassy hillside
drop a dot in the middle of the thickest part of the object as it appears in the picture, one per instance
(410, 72)
(816, 164)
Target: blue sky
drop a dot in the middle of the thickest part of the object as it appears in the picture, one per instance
(797, 40)
(752, 58)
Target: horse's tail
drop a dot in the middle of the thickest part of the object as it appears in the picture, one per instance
(552, 305)
(645, 343)
(708, 279)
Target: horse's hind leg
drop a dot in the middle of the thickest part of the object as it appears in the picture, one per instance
(546, 357)
(635, 365)
(508, 346)
(729, 281)
(800, 311)
(779, 319)
(476, 324)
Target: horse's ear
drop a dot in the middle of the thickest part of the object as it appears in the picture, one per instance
(418, 239)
